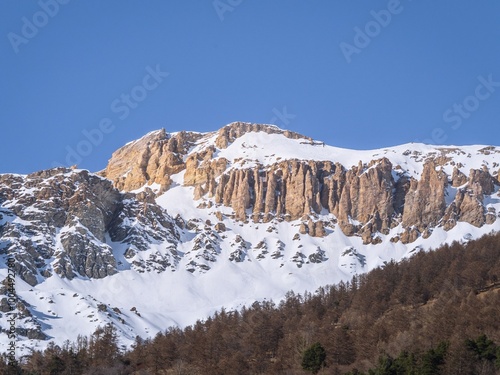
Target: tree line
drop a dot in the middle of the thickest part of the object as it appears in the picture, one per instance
(434, 313)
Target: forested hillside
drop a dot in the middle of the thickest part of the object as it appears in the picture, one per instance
(181, 224)
(435, 313)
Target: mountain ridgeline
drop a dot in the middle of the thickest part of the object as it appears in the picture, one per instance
(366, 199)
(245, 213)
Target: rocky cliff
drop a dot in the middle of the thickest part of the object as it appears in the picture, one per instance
(158, 155)
(60, 221)
(179, 224)
(366, 199)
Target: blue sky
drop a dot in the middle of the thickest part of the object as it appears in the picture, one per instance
(78, 79)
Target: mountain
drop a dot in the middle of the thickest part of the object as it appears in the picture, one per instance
(181, 224)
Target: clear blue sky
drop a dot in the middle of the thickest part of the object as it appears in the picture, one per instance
(233, 60)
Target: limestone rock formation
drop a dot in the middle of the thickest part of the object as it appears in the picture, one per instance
(458, 178)
(295, 188)
(256, 206)
(425, 201)
(158, 155)
(75, 214)
(151, 159)
(229, 133)
(66, 215)
(366, 199)
(469, 205)
(63, 205)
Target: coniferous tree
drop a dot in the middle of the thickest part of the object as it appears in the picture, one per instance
(314, 358)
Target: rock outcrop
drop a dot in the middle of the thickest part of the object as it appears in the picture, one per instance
(151, 159)
(366, 199)
(158, 155)
(57, 221)
(62, 212)
(425, 201)
(468, 205)
(229, 133)
(264, 210)
(294, 188)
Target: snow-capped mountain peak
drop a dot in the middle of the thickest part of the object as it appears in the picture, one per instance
(181, 224)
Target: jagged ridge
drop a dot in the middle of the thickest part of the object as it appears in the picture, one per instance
(249, 203)
(368, 198)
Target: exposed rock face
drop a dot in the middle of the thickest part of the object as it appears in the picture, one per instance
(425, 201)
(481, 181)
(158, 155)
(290, 188)
(152, 159)
(468, 205)
(220, 227)
(229, 133)
(366, 199)
(141, 222)
(470, 209)
(65, 215)
(364, 194)
(84, 257)
(281, 200)
(296, 188)
(458, 178)
(58, 205)
(316, 228)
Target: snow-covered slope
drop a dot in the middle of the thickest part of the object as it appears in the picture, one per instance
(263, 148)
(174, 259)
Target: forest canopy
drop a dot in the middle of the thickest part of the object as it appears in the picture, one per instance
(434, 313)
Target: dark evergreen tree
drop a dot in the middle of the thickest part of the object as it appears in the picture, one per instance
(433, 359)
(314, 358)
(483, 348)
